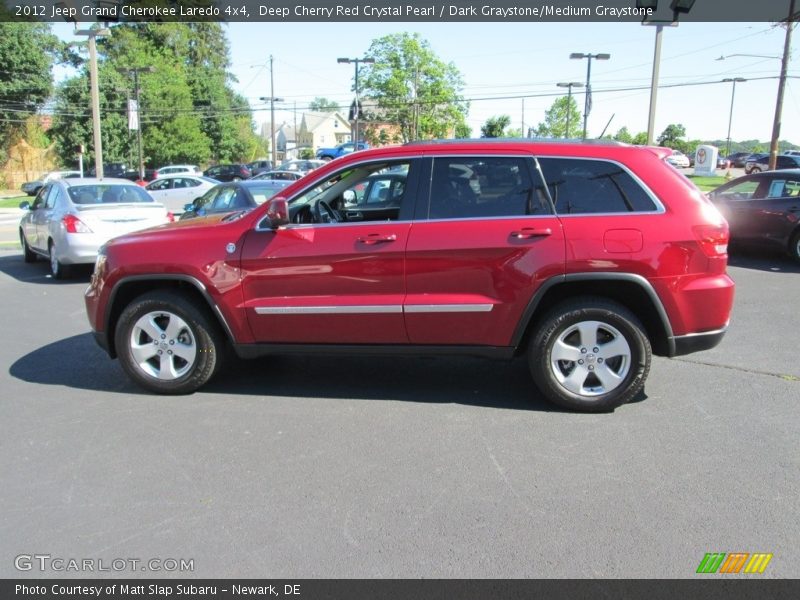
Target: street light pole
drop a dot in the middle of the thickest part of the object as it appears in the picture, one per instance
(569, 85)
(93, 33)
(586, 104)
(356, 61)
(734, 81)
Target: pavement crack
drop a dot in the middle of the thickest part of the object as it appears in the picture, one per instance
(782, 376)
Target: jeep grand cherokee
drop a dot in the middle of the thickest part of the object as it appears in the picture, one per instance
(586, 258)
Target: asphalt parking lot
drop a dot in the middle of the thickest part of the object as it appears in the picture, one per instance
(389, 467)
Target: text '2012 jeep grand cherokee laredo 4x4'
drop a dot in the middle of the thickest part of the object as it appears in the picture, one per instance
(586, 257)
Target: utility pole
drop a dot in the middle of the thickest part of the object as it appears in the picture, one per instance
(776, 123)
(357, 109)
(136, 90)
(92, 33)
(272, 100)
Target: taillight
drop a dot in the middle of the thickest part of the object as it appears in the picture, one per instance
(74, 225)
(170, 217)
(713, 239)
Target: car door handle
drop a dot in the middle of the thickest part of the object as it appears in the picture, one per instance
(531, 232)
(376, 238)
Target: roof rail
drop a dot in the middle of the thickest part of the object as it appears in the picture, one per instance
(594, 142)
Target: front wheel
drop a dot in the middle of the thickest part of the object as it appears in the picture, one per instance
(755, 170)
(167, 344)
(28, 255)
(589, 354)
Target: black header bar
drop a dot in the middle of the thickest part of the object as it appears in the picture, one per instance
(373, 11)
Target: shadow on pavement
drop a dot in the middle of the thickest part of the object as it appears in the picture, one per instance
(39, 272)
(77, 362)
(762, 260)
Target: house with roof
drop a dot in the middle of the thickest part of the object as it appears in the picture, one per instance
(322, 130)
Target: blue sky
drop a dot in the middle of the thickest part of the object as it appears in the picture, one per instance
(528, 59)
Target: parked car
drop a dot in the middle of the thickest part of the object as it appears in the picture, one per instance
(176, 169)
(791, 152)
(229, 197)
(678, 159)
(783, 161)
(70, 219)
(134, 176)
(175, 191)
(301, 165)
(277, 180)
(112, 169)
(31, 188)
(340, 150)
(235, 172)
(763, 209)
(738, 159)
(260, 166)
(585, 258)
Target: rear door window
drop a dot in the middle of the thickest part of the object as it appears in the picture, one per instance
(590, 186)
(485, 186)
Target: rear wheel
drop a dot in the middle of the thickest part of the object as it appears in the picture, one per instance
(794, 247)
(57, 269)
(755, 170)
(167, 343)
(28, 255)
(589, 354)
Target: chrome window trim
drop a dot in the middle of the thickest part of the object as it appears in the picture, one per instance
(660, 208)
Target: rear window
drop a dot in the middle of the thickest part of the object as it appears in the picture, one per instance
(261, 194)
(108, 194)
(585, 186)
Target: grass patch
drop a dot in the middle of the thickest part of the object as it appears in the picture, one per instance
(14, 202)
(707, 183)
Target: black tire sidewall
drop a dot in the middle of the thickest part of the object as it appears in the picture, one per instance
(567, 315)
(208, 343)
(28, 255)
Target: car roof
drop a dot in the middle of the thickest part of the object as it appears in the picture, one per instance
(95, 181)
(178, 176)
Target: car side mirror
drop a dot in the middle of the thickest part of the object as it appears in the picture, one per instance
(349, 197)
(278, 212)
(188, 207)
(25, 205)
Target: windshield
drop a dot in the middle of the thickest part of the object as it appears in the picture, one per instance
(108, 194)
(261, 194)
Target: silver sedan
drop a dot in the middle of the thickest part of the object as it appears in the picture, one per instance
(71, 218)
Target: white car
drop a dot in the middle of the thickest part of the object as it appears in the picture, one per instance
(32, 187)
(679, 159)
(175, 169)
(71, 218)
(176, 191)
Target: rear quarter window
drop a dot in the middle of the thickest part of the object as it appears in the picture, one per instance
(587, 186)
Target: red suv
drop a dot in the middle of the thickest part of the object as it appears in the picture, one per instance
(588, 258)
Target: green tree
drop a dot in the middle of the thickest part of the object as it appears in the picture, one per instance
(623, 135)
(495, 126)
(189, 112)
(672, 137)
(27, 53)
(463, 131)
(413, 87)
(319, 104)
(555, 119)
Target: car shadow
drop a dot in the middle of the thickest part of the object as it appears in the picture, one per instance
(39, 272)
(77, 362)
(762, 260)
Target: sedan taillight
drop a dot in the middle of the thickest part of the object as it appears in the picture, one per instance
(74, 225)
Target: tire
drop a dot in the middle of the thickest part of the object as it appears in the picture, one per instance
(326, 158)
(755, 170)
(167, 343)
(57, 269)
(28, 255)
(794, 247)
(235, 179)
(582, 331)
